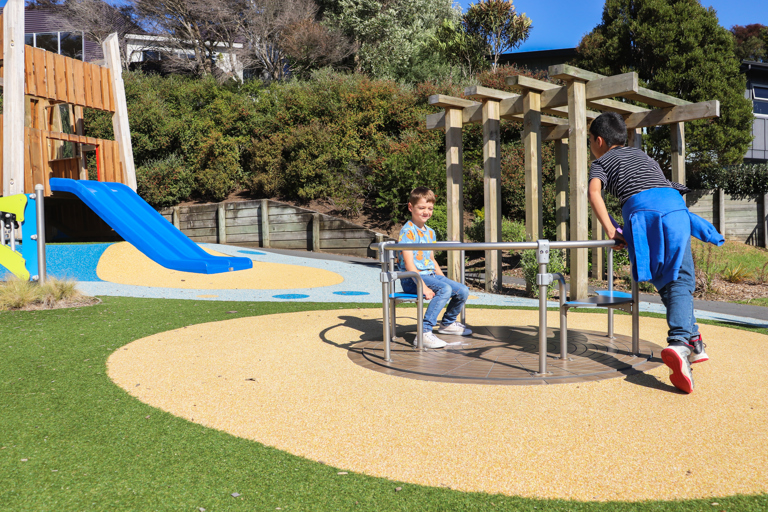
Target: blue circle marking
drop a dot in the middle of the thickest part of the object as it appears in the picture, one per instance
(252, 252)
(351, 293)
(291, 296)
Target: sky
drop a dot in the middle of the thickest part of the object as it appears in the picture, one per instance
(562, 23)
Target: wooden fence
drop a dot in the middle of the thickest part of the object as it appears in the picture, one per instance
(743, 220)
(283, 227)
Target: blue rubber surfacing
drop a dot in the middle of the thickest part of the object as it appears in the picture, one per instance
(360, 283)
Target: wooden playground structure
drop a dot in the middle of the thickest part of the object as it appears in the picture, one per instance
(551, 112)
(44, 97)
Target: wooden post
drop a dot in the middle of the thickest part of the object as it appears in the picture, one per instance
(120, 117)
(561, 188)
(532, 141)
(577, 120)
(221, 223)
(316, 232)
(635, 138)
(765, 221)
(176, 217)
(492, 192)
(677, 139)
(77, 118)
(265, 222)
(721, 211)
(598, 233)
(454, 165)
(13, 98)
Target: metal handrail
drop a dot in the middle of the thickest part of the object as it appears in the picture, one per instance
(543, 280)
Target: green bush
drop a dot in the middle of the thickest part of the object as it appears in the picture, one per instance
(164, 182)
(218, 167)
(511, 231)
(742, 181)
(531, 268)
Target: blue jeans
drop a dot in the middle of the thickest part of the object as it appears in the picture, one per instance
(445, 290)
(677, 296)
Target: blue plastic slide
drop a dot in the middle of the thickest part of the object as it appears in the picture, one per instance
(140, 225)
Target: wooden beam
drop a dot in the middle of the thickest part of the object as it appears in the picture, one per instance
(647, 96)
(597, 89)
(635, 138)
(439, 100)
(671, 115)
(532, 145)
(486, 93)
(677, 143)
(120, 117)
(13, 98)
(561, 189)
(577, 106)
(555, 132)
(492, 192)
(454, 165)
(619, 107)
(526, 83)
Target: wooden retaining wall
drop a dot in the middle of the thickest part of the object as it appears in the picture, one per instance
(283, 227)
(743, 220)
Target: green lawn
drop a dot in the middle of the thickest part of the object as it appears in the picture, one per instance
(71, 440)
(731, 255)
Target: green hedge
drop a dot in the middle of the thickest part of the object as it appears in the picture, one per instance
(346, 138)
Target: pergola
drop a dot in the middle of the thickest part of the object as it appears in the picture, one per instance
(551, 113)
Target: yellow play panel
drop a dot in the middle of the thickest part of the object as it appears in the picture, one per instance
(286, 381)
(124, 264)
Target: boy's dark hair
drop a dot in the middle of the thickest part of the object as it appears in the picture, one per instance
(611, 127)
(419, 193)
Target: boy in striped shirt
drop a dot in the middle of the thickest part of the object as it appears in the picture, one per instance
(657, 232)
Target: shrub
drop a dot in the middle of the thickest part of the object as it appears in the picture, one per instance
(164, 182)
(511, 231)
(531, 268)
(218, 167)
(743, 180)
(16, 294)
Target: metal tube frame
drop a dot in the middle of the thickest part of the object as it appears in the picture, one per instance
(41, 266)
(543, 247)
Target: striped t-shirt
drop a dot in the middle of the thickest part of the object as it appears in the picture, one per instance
(626, 171)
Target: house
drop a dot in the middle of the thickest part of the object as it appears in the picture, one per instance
(45, 29)
(757, 92)
(147, 51)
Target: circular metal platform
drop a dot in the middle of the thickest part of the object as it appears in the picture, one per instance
(510, 356)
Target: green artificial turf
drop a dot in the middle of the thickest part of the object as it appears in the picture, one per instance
(71, 440)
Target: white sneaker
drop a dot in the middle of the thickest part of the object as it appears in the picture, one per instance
(430, 341)
(455, 328)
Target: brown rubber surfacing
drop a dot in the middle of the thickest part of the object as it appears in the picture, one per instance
(509, 356)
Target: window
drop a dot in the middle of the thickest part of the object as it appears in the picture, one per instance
(69, 44)
(760, 99)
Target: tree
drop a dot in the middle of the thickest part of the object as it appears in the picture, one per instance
(677, 47)
(190, 32)
(97, 20)
(285, 34)
(751, 41)
(394, 37)
(460, 48)
(497, 24)
(310, 45)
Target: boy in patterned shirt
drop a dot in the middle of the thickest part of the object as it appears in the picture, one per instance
(438, 289)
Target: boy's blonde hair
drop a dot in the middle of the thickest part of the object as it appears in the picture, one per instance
(421, 193)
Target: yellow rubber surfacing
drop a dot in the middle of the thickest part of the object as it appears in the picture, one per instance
(122, 263)
(286, 381)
